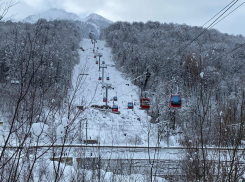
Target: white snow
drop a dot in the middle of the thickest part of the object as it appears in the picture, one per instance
(130, 127)
(60, 131)
(39, 128)
(96, 17)
(201, 74)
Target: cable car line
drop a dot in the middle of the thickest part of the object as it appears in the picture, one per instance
(175, 100)
(128, 92)
(129, 103)
(230, 5)
(205, 30)
(210, 26)
(230, 51)
(133, 79)
(144, 101)
(219, 12)
(215, 22)
(228, 14)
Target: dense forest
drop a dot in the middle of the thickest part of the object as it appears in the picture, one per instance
(176, 67)
(205, 67)
(36, 65)
(40, 55)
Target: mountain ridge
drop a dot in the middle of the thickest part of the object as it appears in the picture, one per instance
(95, 16)
(60, 14)
(98, 21)
(52, 14)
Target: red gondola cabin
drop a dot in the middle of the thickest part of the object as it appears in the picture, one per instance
(115, 98)
(100, 78)
(145, 103)
(175, 100)
(97, 62)
(114, 108)
(104, 99)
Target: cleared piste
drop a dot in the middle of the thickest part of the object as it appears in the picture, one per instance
(130, 127)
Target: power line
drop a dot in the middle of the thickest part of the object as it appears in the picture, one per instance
(219, 12)
(128, 92)
(187, 45)
(230, 51)
(133, 79)
(230, 5)
(228, 14)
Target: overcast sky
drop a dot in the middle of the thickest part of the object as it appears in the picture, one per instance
(190, 12)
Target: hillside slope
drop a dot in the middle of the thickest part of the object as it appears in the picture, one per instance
(130, 127)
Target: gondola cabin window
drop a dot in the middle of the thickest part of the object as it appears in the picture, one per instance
(115, 108)
(175, 100)
(130, 105)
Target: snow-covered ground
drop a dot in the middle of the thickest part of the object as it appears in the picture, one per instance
(131, 126)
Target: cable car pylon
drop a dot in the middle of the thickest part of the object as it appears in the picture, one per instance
(106, 86)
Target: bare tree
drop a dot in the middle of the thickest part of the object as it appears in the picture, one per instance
(34, 91)
(5, 6)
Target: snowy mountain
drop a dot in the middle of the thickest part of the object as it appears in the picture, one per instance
(52, 14)
(95, 17)
(97, 21)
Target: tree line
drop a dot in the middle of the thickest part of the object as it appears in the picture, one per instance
(36, 67)
(206, 73)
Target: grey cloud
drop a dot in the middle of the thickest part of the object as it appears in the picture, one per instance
(190, 12)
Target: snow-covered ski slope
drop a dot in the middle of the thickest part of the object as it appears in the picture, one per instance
(130, 127)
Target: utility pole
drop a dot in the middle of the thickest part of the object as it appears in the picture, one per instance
(148, 74)
(80, 131)
(103, 67)
(141, 86)
(107, 86)
(80, 124)
(168, 134)
(86, 131)
(100, 55)
(94, 42)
